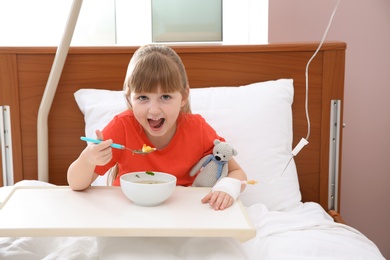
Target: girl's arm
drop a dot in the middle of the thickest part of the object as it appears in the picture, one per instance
(81, 172)
(236, 172)
(220, 200)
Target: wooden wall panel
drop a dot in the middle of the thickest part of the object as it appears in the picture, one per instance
(215, 65)
(9, 95)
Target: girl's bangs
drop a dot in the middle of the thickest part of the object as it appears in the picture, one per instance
(149, 74)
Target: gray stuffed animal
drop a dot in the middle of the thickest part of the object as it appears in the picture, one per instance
(214, 166)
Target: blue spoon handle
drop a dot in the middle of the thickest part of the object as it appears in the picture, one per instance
(96, 141)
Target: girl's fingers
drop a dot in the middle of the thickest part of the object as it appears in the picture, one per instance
(218, 200)
(99, 134)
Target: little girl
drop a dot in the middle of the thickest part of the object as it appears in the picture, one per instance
(157, 91)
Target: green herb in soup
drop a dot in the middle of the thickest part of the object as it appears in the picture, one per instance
(149, 173)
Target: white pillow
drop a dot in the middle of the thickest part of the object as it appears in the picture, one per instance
(99, 107)
(256, 119)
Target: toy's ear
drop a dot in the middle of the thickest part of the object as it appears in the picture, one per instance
(234, 152)
(216, 141)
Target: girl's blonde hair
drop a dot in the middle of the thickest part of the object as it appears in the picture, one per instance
(155, 66)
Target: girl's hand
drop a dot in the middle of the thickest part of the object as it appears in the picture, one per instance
(224, 193)
(81, 172)
(98, 154)
(218, 200)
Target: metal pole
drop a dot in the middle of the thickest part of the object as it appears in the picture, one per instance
(50, 90)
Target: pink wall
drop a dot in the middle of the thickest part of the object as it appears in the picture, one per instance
(365, 26)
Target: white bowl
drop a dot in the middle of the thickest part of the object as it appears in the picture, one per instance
(148, 188)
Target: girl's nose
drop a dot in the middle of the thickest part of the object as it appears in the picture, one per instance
(154, 108)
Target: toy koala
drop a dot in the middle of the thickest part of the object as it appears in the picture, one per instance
(214, 166)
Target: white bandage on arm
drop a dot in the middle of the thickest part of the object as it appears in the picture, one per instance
(228, 185)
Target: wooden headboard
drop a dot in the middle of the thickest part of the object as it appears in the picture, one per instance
(24, 72)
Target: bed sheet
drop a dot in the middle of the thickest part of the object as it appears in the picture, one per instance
(305, 232)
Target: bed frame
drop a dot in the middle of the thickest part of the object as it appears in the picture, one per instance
(24, 72)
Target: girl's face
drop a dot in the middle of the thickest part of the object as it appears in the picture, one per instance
(157, 113)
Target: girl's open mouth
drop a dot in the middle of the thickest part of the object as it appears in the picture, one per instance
(156, 123)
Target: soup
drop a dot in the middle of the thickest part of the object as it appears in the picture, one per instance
(150, 182)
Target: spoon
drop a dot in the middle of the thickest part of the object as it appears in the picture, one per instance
(118, 146)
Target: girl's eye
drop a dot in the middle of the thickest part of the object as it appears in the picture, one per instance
(142, 98)
(165, 97)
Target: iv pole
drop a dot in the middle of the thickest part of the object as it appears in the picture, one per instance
(50, 90)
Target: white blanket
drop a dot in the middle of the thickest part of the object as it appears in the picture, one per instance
(306, 232)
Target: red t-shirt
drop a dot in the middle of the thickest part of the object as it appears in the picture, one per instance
(193, 140)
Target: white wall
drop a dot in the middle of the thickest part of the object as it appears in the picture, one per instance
(365, 26)
(42, 22)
